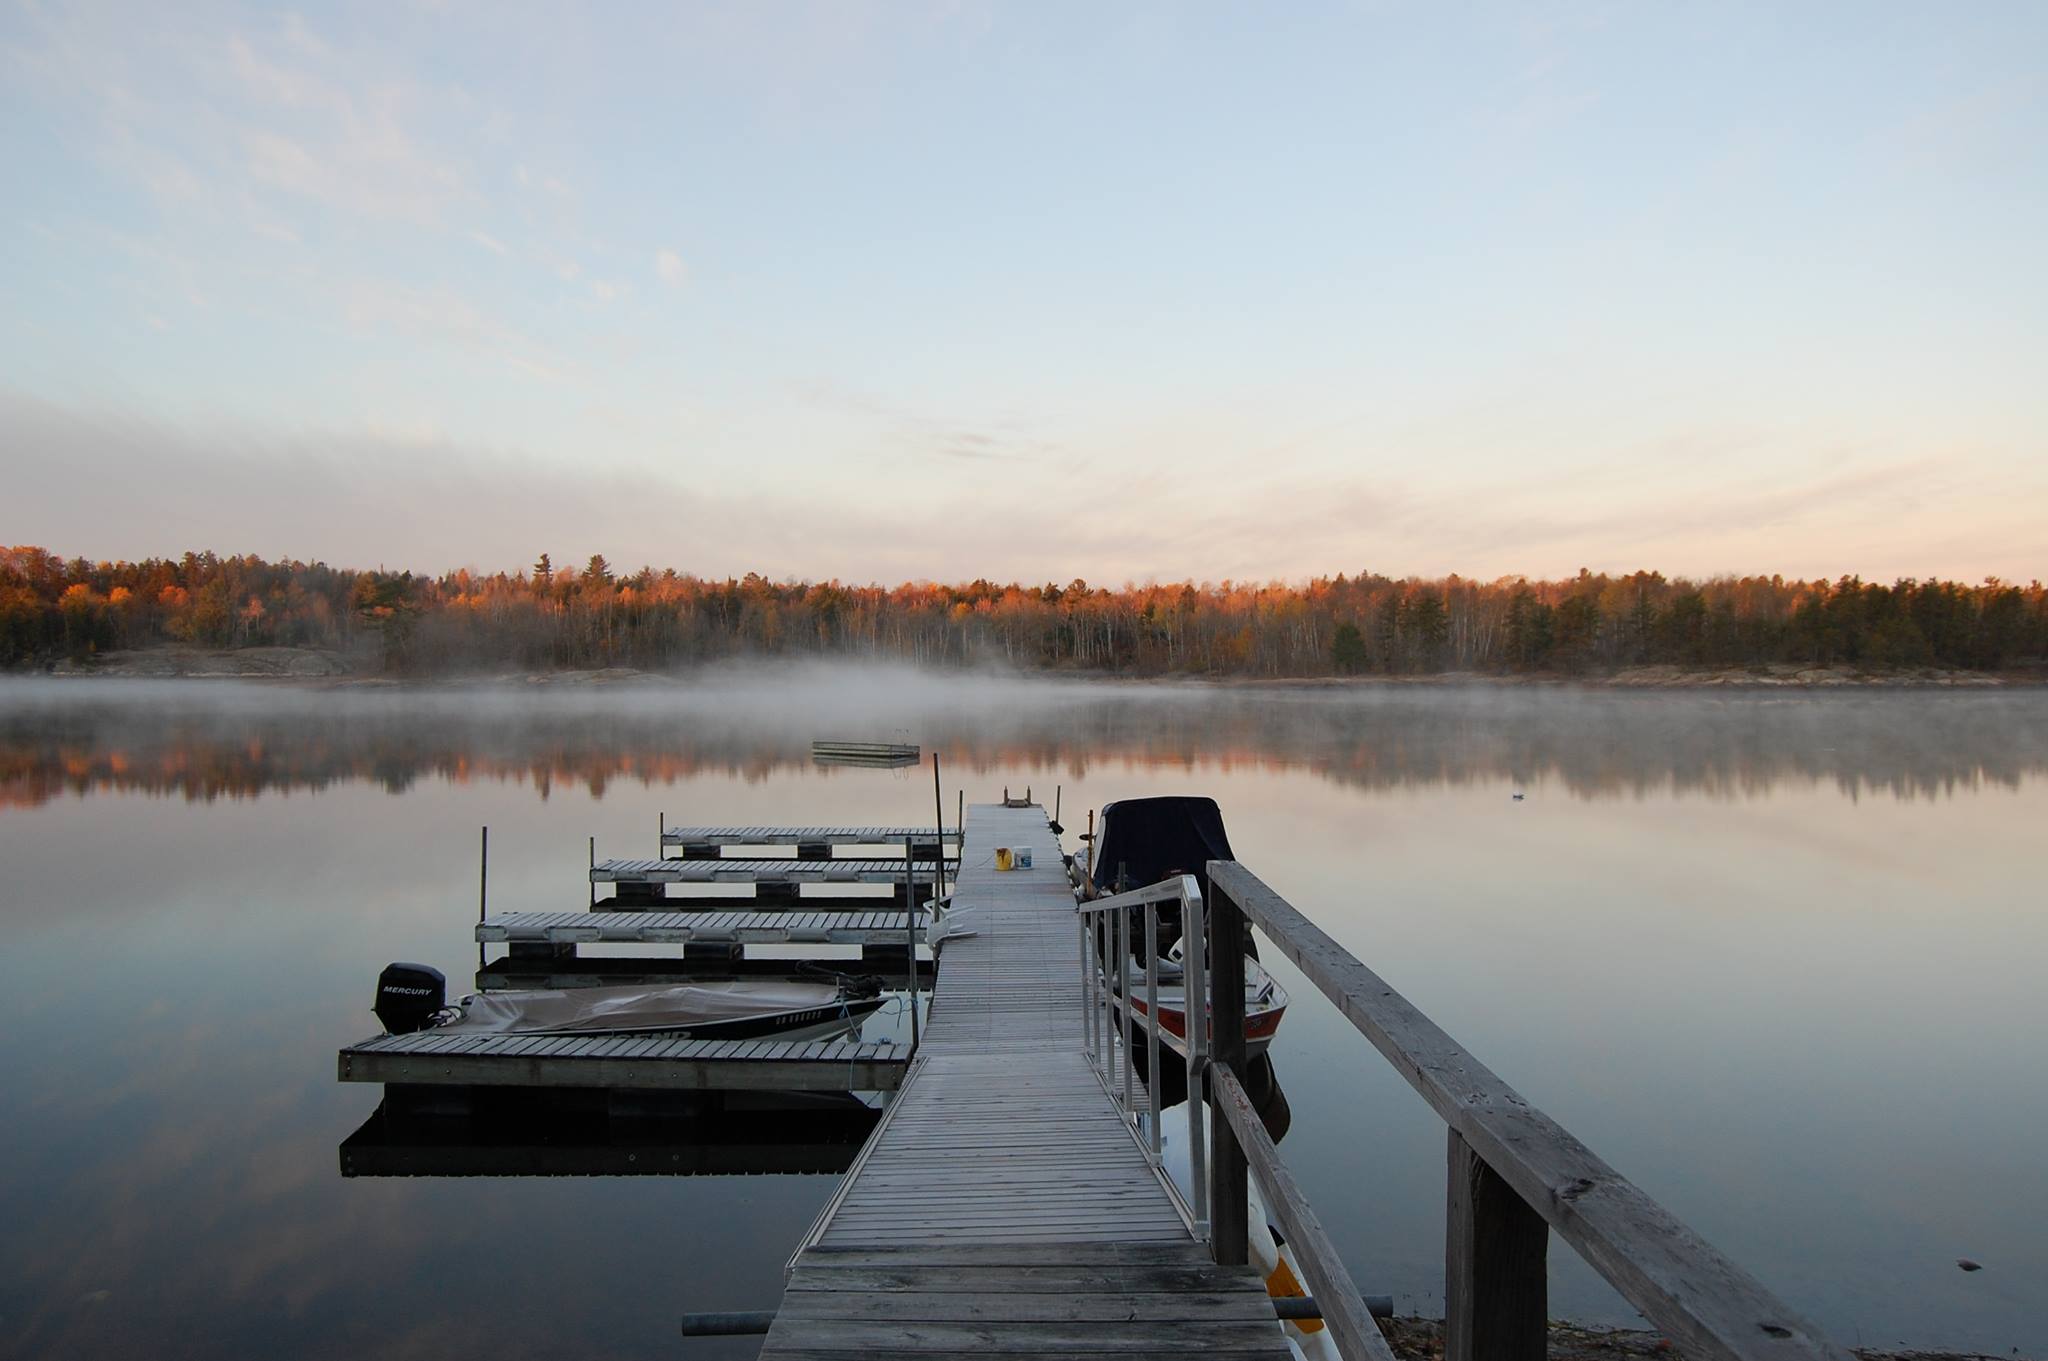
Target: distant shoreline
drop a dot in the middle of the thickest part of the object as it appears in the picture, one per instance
(322, 667)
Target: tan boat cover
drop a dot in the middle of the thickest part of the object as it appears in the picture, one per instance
(540, 1011)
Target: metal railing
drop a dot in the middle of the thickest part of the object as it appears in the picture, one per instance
(1108, 1021)
(1514, 1173)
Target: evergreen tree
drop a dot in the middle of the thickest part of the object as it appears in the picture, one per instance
(1347, 649)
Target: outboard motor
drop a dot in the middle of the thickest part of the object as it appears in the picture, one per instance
(409, 996)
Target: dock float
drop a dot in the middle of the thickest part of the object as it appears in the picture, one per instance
(776, 880)
(1004, 1204)
(771, 870)
(623, 1062)
(881, 927)
(881, 755)
(713, 840)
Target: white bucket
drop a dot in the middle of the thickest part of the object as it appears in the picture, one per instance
(1021, 857)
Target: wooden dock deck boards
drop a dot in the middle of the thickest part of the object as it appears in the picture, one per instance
(1002, 1204)
(643, 1062)
(769, 869)
(806, 836)
(884, 926)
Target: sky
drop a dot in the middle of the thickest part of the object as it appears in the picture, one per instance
(890, 291)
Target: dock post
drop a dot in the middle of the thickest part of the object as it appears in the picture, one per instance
(910, 931)
(483, 883)
(1229, 1174)
(938, 845)
(593, 870)
(1495, 1272)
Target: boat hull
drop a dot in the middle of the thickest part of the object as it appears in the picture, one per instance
(694, 1011)
(1259, 1026)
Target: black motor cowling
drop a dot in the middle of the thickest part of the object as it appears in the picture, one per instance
(409, 995)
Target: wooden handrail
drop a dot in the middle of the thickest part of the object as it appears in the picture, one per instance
(1707, 1305)
(1343, 1309)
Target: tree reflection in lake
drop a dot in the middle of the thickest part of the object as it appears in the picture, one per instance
(206, 740)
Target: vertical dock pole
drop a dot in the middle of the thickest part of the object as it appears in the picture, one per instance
(483, 884)
(1496, 1296)
(593, 869)
(939, 814)
(910, 930)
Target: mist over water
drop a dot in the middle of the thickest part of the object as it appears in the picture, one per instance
(207, 738)
(1774, 956)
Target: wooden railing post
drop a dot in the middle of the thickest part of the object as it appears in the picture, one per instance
(1495, 1282)
(1228, 1173)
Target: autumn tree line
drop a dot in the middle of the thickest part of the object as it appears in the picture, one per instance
(551, 617)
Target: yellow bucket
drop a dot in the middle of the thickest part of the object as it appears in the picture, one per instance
(1002, 857)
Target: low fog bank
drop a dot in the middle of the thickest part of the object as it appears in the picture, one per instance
(207, 738)
(868, 699)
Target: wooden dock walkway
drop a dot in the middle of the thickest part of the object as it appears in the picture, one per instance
(1003, 1204)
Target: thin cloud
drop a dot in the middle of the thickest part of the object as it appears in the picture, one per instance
(361, 497)
(669, 268)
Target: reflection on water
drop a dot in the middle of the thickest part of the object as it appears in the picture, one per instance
(1804, 1018)
(605, 1134)
(204, 741)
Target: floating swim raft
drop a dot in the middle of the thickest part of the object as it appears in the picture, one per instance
(885, 755)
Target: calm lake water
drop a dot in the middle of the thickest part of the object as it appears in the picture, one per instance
(1777, 958)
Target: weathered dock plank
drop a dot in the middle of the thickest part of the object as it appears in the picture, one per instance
(767, 869)
(807, 836)
(885, 926)
(659, 1062)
